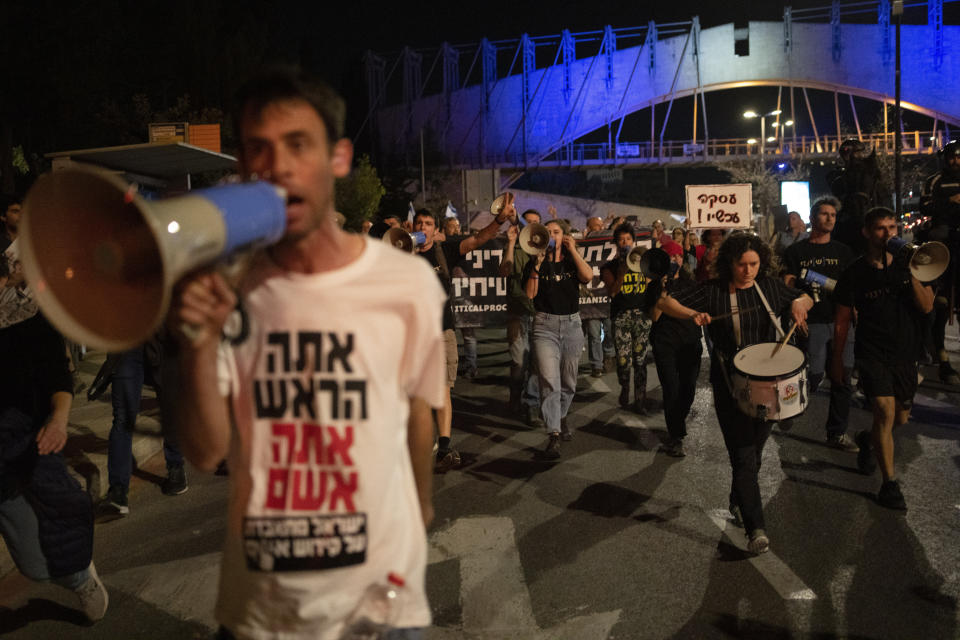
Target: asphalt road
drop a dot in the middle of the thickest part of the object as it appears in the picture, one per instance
(614, 540)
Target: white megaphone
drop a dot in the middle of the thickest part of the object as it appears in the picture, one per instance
(534, 238)
(102, 261)
(496, 207)
(407, 242)
(926, 262)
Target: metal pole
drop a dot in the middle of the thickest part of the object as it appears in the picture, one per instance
(763, 134)
(898, 124)
(423, 173)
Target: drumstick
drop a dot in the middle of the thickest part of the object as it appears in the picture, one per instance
(733, 313)
(780, 344)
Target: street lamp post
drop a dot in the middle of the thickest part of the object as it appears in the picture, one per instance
(763, 125)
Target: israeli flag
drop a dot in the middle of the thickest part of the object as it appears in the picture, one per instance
(451, 212)
(411, 212)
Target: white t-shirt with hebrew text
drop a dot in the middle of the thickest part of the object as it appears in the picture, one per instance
(323, 501)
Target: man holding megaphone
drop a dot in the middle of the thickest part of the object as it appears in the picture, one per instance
(323, 411)
(443, 256)
(891, 306)
(813, 265)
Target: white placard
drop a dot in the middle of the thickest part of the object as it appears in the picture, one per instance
(719, 206)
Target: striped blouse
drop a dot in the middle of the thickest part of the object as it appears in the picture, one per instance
(713, 297)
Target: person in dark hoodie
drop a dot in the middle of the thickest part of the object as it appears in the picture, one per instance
(46, 519)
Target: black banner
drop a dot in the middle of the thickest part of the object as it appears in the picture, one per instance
(480, 294)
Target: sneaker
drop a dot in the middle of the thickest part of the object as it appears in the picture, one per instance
(891, 497)
(948, 375)
(597, 373)
(843, 442)
(115, 502)
(759, 542)
(446, 460)
(552, 451)
(737, 515)
(93, 596)
(533, 418)
(565, 433)
(624, 399)
(673, 447)
(175, 483)
(866, 463)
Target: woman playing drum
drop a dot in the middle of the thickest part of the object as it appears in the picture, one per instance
(743, 278)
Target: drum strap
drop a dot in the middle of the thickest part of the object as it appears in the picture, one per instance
(773, 316)
(735, 317)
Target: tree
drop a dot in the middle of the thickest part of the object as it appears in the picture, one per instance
(766, 187)
(358, 195)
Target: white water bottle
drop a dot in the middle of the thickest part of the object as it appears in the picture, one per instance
(378, 610)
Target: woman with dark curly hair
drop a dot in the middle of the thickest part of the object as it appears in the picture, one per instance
(743, 281)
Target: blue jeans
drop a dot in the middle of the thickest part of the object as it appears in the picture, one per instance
(21, 532)
(599, 341)
(557, 343)
(522, 375)
(125, 395)
(469, 348)
(818, 343)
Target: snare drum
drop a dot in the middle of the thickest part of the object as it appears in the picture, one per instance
(770, 388)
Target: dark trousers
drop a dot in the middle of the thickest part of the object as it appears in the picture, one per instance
(744, 438)
(125, 391)
(678, 367)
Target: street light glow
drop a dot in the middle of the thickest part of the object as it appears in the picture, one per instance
(750, 114)
(775, 113)
(752, 141)
(788, 123)
(771, 139)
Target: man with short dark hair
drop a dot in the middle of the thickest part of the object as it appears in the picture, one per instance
(324, 408)
(10, 208)
(823, 258)
(891, 306)
(443, 256)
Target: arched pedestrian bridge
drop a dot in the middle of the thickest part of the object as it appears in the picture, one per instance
(536, 115)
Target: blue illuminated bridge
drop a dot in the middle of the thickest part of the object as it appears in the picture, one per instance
(559, 89)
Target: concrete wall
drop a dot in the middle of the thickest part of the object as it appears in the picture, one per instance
(577, 210)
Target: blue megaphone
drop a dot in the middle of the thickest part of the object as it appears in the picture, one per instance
(102, 261)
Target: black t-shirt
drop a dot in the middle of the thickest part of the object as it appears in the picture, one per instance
(829, 259)
(558, 291)
(632, 291)
(713, 297)
(890, 328)
(673, 331)
(451, 253)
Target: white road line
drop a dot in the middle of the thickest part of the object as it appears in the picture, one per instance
(783, 580)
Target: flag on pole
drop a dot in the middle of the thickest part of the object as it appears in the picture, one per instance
(411, 212)
(451, 212)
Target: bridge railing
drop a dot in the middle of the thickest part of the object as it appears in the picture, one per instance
(715, 150)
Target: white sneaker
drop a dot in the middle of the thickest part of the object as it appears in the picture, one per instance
(759, 542)
(93, 596)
